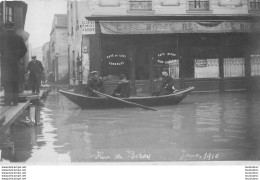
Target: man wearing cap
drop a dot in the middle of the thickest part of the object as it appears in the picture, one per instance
(13, 49)
(36, 69)
(123, 88)
(95, 83)
(167, 83)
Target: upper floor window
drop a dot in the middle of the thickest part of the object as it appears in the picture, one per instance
(9, 14)
(199, 5)
(140, 5)
(254, 5)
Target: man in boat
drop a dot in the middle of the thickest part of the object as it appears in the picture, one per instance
(167, 86)
(94, 82)
(123, 88)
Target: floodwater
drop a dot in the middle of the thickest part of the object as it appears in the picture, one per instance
(203, 127)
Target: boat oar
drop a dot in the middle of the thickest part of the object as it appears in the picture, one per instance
(121, 100)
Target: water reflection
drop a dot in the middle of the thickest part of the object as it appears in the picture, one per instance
(203, 127)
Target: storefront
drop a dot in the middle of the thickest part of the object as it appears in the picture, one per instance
(210, 55)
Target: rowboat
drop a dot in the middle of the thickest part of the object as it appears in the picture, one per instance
(86, 102)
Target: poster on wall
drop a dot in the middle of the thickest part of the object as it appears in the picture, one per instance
(85, 67)
(206, 68)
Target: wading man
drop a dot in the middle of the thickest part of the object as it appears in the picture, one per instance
(13, 49)
(36, 69)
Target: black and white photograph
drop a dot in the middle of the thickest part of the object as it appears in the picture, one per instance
(100, 85)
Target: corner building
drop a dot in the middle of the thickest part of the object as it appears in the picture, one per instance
(211, 44)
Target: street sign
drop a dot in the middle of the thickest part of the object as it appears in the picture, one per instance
(88, 27)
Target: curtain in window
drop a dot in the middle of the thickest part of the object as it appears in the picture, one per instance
(206, 68)
(255, 65)
(174, 69)
(234, 67)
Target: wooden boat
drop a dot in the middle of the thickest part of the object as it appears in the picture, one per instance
(86, 102)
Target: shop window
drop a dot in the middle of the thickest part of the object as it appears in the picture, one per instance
(254, 5)
(234, 67)
(167, 59)
(198, 5)
(206, 68)
(255, 65)
(114, 63)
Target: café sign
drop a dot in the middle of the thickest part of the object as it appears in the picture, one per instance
(168, 27)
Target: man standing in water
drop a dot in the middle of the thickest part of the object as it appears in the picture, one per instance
(36, 69)
(13, 49)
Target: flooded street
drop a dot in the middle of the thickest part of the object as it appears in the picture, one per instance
(203, 127)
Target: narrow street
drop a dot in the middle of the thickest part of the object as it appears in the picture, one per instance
(204, 127)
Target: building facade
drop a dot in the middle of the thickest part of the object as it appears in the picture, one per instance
(58, 48)
(77, 54)
(212, 45)
(46, 62)
(15, 11)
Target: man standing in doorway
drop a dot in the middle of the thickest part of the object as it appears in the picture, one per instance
(13, 49)
(36, 69)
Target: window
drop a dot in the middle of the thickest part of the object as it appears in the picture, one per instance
(199, 5)
(254, 5)
(9, 14)
(255, 65)
(114, 63)
(140, 5)
(234, 67)
(166, 58)
(206, 68)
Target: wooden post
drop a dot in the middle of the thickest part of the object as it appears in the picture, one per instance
(131, 55)
(221, 65)
(151, 71)
(32, 114)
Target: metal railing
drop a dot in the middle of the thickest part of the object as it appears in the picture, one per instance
(141, 5)
(254, 6)
(199, 5)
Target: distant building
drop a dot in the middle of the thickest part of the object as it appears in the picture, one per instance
(59, 48)
(77, 51)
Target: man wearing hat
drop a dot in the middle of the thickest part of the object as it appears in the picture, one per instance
(36, 69)
(95, 83)
(167, 83)
(13, 49)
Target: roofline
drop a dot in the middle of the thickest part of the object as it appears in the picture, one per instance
(175, 17)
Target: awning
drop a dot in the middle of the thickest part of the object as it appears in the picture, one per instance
(170, 27)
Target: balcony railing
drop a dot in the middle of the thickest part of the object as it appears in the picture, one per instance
(199, 5)
(141, 5)
(255, 6)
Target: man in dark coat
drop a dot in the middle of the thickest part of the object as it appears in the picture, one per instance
(95, 83)
(167, 83)
(13, 49)
(36, 69)
(123, 89)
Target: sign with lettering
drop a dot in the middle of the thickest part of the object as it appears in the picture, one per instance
(155, 27)
(88, 27)
(201, 62)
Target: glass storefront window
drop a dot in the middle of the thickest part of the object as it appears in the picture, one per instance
(234, 67)
(114, 63)
(255, 65)
(167, 60)
(206, 68)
